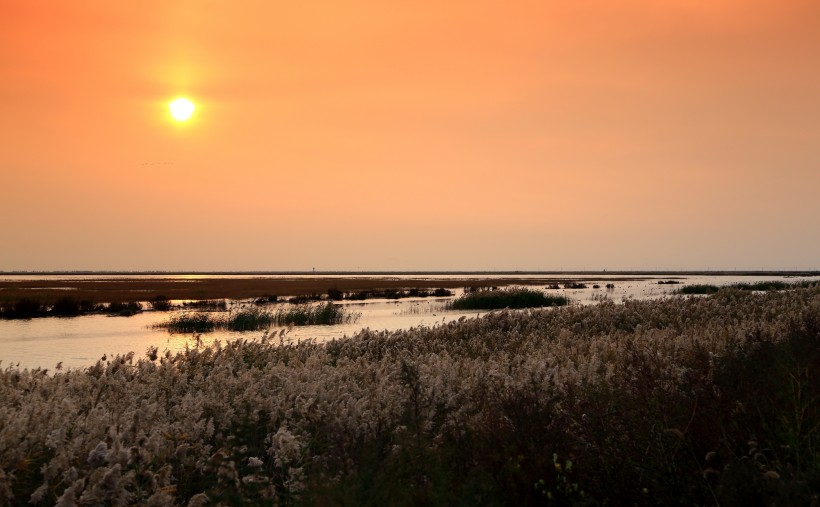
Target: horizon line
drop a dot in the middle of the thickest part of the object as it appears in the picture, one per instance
(738, 272)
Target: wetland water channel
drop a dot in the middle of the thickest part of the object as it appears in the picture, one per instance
(78, 342)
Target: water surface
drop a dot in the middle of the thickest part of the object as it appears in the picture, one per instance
(80, 341)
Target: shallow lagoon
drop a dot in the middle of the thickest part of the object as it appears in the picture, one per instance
(80, 341)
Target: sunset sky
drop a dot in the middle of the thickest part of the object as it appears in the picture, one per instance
(410, 135)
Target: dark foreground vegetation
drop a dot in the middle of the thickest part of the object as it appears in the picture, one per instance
(253, 319)
(683, 401)
(506, 298)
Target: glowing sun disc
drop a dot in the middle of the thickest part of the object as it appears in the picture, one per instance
(181, 109)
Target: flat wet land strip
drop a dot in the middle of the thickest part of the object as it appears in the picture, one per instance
(50, 290)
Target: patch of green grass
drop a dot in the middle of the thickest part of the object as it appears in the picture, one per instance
(506, 298)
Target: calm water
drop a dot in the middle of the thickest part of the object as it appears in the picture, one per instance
(80, 341)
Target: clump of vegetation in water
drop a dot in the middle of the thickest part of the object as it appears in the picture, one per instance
(575, 285)
(698, 289)
(206, 304)
(253, 319)
(311, 315)
(66, 306)
(25, 308)
(160, 303)
(681, 401)
(304, 299)
(337, 295)
(764, 286)
(120, 309)
(506, 298)
(191, 323)
(477, 288)
(768, 286)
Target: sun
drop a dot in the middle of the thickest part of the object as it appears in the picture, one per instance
(181, 109)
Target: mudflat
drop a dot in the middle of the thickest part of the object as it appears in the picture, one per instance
(131, 289)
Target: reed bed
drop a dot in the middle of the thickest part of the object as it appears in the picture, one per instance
(698, 289)
(206, 304)
(771, 285)
(254, 318)
(67, 306)
(337, 295)
(506, 298)
(681, 401)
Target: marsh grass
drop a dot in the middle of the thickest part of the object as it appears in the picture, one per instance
(192, 323)
(122, 309)
(207, 304)
(305, 299)
(575, 285)
(160, 303)
(311, 315)
(25, 308)
(266, 299)
(66, 306)
(767, 286)
(361, 295)
(254, 319)
(681, 401)
(506, 298)
(698, 289)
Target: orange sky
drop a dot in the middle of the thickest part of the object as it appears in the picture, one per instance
(553, 134)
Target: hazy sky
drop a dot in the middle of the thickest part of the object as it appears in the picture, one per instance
(410, 135)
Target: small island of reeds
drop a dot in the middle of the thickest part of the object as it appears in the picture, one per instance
(253, 319)
(511, 297)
